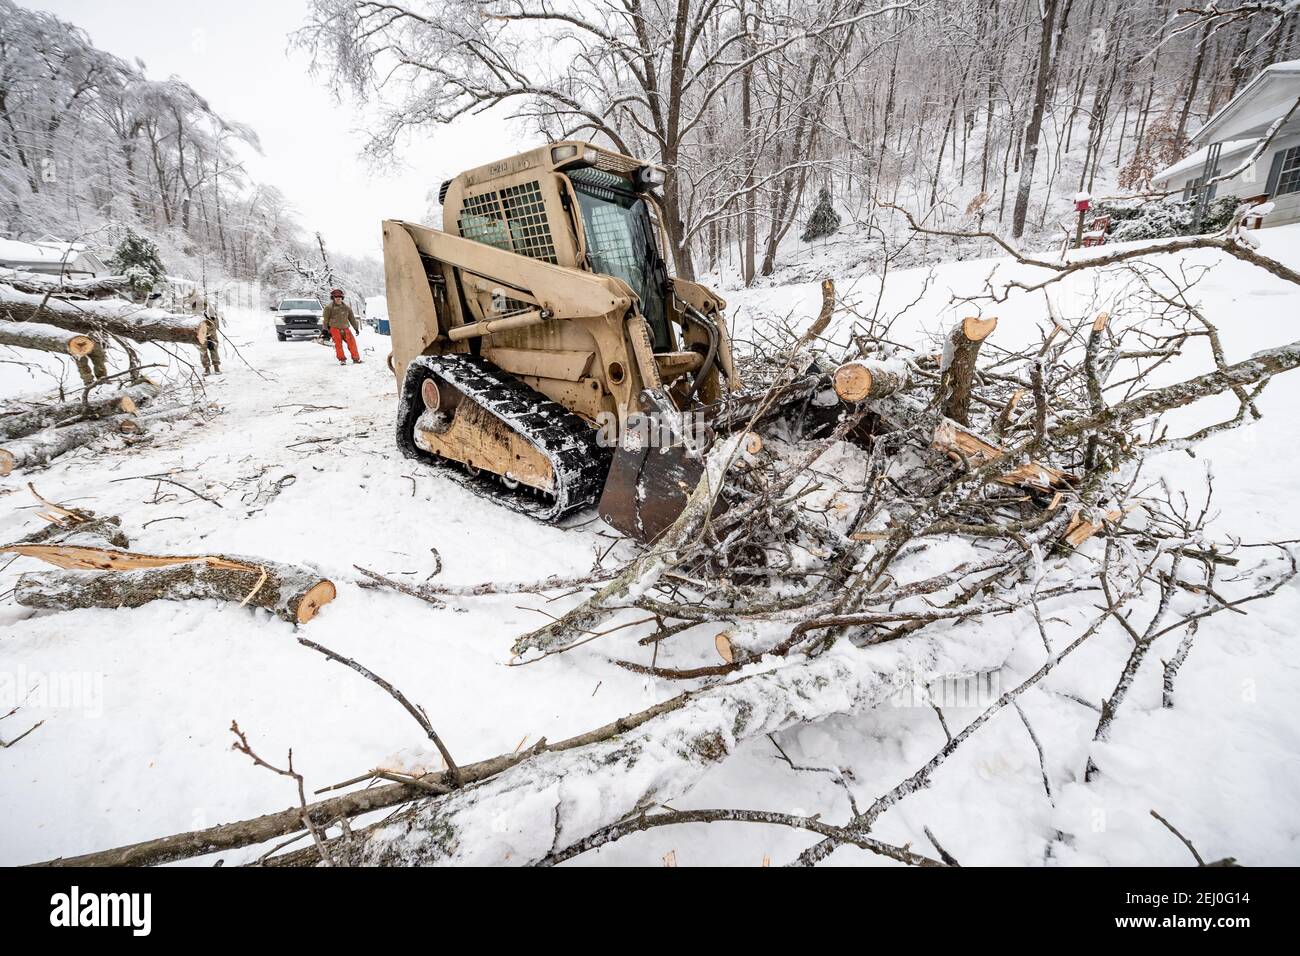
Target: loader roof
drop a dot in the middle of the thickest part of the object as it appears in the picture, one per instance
(551, 156)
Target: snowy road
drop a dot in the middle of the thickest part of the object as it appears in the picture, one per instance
(301, 467)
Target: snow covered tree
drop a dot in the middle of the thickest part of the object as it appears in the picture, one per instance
(824, 219)
(137, 258)
(90, 145)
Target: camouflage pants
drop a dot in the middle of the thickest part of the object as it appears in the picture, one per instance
(91, 367)
(210, 356)
(208, 351)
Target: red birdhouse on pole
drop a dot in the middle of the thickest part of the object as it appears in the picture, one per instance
(1082, 203)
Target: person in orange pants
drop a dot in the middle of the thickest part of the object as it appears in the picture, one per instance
(340, 321)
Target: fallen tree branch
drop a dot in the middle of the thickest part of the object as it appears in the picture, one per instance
(642, 573)
(232, 836)
(573, 794)
(30, 420)
(415, 711)
(38, 284)
(42, 447)
(644, 821)
(112, 578)
(243, 746)
(1259, 366)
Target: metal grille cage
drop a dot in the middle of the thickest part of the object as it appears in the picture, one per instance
(513, 219)
(482, 220)
(526, 213)
(615, 162)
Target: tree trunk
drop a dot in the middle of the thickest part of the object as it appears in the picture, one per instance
(115, 316)
(111, 578)
(1035, 126)
(1192, 84)
(45, 338)
(748, 265)
(44, 446)
(37, 417)
(958, 366)
(859, 380)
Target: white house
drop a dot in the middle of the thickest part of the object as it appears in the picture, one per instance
(51, 256)
(1230, 135)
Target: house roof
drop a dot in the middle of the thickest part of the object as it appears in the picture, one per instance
(1268, 95)
(1194, 162)
(49, 254)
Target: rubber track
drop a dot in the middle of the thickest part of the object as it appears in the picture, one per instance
(580, 465)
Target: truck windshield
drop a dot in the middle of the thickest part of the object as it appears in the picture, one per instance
(311, 304)
(620, 243)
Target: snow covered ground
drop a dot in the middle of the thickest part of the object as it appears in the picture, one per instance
(302, 467)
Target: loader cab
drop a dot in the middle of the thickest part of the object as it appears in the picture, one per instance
(620, 241)
(575, 205)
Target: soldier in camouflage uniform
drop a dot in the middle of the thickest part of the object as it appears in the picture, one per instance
(209, 351)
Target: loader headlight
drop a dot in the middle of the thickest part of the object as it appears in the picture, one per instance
(560, 153)
(650, 177)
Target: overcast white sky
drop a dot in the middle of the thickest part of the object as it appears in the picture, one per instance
(235, 53)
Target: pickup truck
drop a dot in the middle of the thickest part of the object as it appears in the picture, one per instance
(298, 317)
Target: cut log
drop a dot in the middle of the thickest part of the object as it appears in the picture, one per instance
(46, 338)
(115, 316)
(37, 417)
(859, 380)
(44, 446)
(104, 287)
(112, 578)
(958, 365)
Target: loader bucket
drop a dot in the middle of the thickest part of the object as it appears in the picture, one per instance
(648, 486)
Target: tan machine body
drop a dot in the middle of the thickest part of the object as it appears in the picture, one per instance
(514, 280)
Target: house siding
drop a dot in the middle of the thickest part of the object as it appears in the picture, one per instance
(1286, 208)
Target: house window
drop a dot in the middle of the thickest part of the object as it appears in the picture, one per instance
(1288, 179)
(1193, 187)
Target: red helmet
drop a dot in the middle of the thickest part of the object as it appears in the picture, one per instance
(336, 292)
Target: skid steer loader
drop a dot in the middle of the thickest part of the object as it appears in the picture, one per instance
(543, 353)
